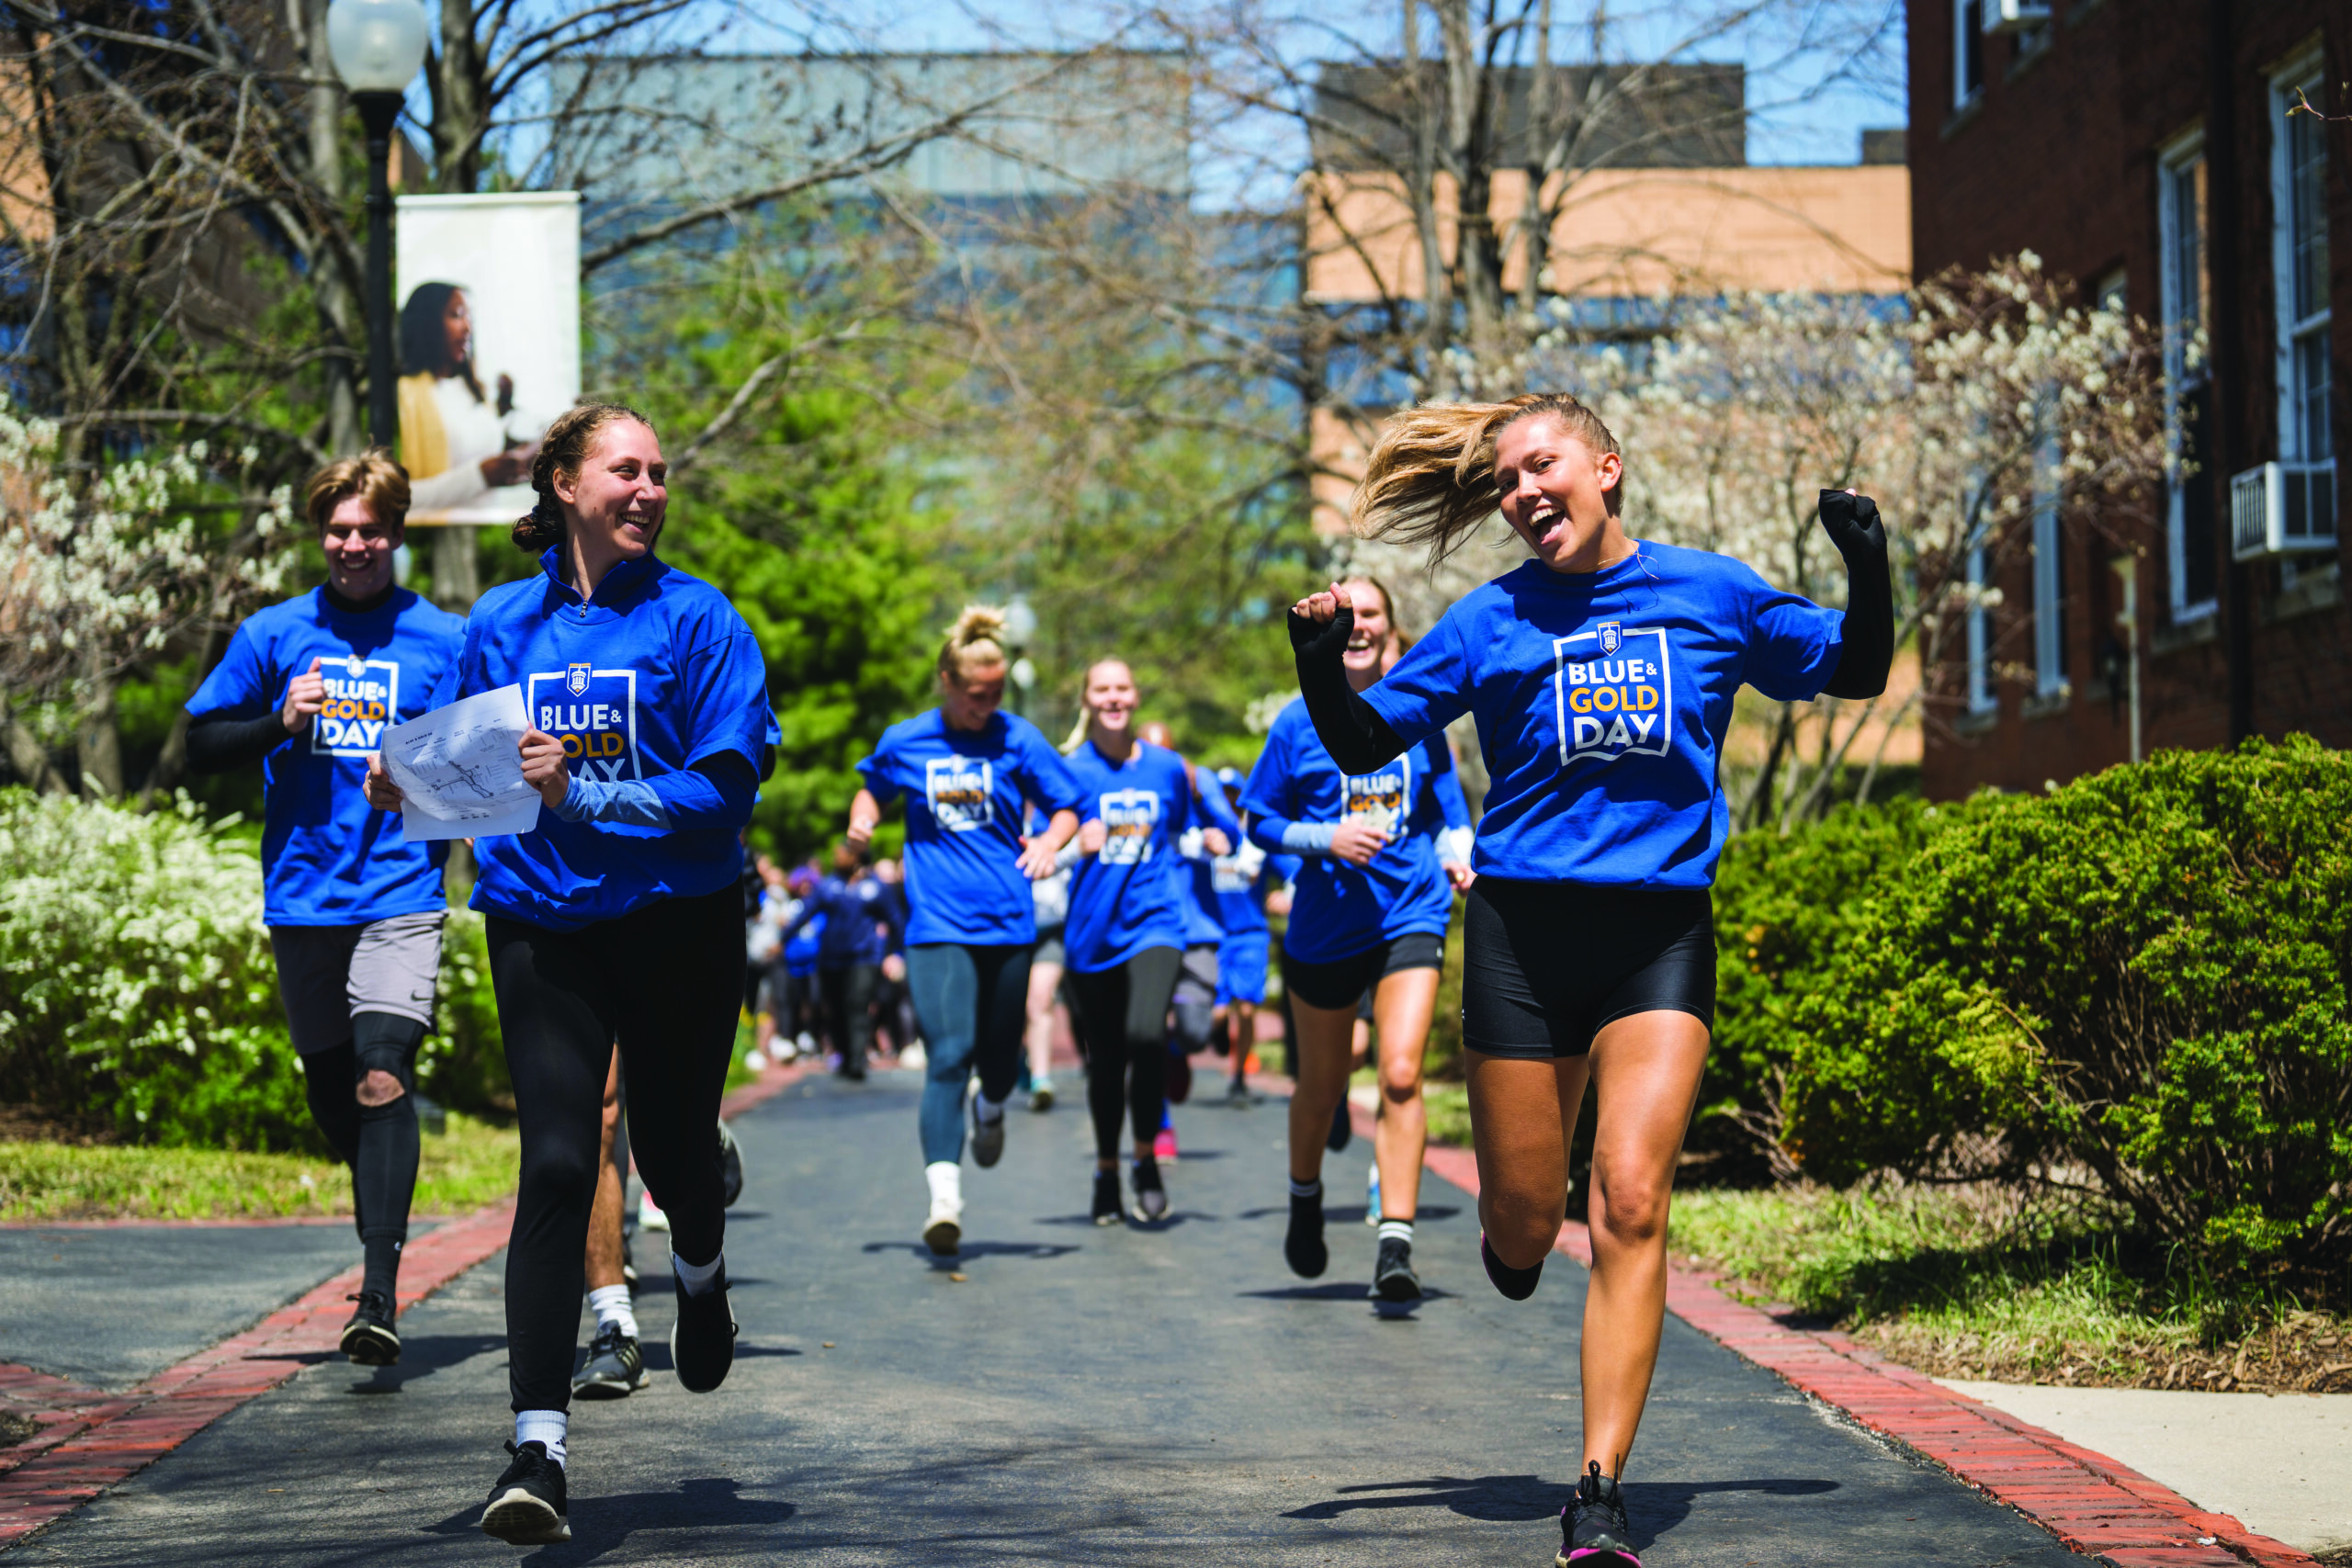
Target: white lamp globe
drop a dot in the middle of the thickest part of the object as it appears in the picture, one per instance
(379, 45)
(1020, 622)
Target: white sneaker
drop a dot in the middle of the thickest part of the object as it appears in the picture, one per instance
(912, 1058)
(756, 1059)
(805, 1043)
(650, 1216)
(943, 1232)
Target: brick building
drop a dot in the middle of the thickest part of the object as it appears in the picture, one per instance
(2145, 148)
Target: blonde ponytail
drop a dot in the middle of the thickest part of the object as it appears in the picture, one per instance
(1430, 479)
(975, 641)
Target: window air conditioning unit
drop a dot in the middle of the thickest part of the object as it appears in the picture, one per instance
(2280, 508)
(2015, 15)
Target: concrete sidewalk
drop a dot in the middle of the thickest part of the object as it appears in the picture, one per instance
(2281, 1462)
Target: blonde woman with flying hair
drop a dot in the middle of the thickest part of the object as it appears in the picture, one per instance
(965, 768)
(1602, 674)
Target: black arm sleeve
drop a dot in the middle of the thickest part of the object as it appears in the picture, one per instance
(217, 743)
(1358, 738)
(1868, 633)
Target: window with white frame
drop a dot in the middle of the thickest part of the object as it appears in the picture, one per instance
(1980, 634)
(1967, 54)
(2190, 545)
(2299, 250)
(2049, 575)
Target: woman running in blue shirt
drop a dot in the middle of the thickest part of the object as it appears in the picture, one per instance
(1125, 929)
(967, 769)
(1374, 894)
(619, 917)
(1601, 675)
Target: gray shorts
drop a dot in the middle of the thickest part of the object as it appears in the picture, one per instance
(1049, 948)
(1196, 981)
(327, 974)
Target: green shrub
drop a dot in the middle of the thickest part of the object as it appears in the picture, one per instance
(2139, 979)
(1783, 907)
(137, 988)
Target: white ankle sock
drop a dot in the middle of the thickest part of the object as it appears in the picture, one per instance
(547, 1426)
(988, 1109)
(945, 1179)
(1396, 1230)
(698, 1278)
(611, 1304)
(1306, 1189)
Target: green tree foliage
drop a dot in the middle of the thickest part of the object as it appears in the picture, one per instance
(2137, 983)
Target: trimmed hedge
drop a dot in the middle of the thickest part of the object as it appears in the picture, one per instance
(2138, 981)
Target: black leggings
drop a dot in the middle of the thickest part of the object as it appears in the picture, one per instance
(664, 982)
(1122, 1012)
(848, 996)
(380, 1143)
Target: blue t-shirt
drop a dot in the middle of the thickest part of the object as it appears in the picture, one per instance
(1339, 910)
(1204, 917)
(328, 857)
(1131, 895)
(1601, 703)
(653, 675)
(964, 791)
(856, 914)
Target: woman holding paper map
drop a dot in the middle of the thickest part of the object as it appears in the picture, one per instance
(619, 917)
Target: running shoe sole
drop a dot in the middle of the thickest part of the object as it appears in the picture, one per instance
(678, 1362)
(1400, 1286)
(518, 1518)
(944, 1236)
(371, 1345)
(1596, 1557)
(608, 1387)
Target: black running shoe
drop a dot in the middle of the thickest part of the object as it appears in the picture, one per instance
(988, 1138)
(1593, 1530)
(1303, 1246)
(369, 1338)
(526, 1507)
(1342, 1129)
(1393, 1278)
(614, 1368)
(1238, 1095)
(1107, 1211)
(1151, 1198)
(730, 1167)
(702, 1341)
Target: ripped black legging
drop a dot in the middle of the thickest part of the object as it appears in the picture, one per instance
(664, 982)
(1122, 1012)
(380, 1143)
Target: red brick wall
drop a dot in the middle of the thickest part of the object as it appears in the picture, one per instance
(2059, 155)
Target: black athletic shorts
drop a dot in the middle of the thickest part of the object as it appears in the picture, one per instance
(1340, 983)
(1546, 965)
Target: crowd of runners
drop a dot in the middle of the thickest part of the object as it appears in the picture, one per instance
(1109, 872)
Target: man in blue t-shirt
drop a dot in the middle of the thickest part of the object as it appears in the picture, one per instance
(307, 688)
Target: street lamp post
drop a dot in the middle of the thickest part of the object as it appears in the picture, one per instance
(378, 47)
(1020, 628)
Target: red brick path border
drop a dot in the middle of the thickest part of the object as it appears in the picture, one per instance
(89, 1439)
(2092, 1504)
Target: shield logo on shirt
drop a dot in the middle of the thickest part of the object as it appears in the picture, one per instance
(575, 678)
(356, 667)
(1612, 639)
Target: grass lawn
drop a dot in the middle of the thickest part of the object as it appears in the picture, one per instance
(470, 1165)
(1978, 1282)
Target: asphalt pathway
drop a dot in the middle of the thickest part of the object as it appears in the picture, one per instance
(1080, 1395)
(109, 1306)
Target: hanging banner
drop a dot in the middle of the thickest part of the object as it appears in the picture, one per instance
(488, 337)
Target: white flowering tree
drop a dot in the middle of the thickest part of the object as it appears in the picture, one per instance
(1962, 406)
(103, 567)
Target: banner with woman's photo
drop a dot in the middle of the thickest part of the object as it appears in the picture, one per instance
(489, 345)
